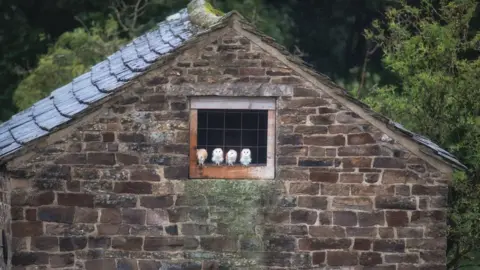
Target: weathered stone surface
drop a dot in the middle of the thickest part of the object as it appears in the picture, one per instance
(397, 218)
(320, 140)
(390, 202)
(345, 218)
(303, 216)
(327, 231)
(371, 219)
(342, 258)
(292, 150)
(389, 163)
(322, 244)
(75, 199)
(323, 176)
(25, 229)
(62, 260)
(357, 162)
(313, 202)
(360, 138)
(156, 201)
(127, 243)
(311, 130)
(44, 243)
(29, 258)
(362, 244)
(391, 246)
(304, 188)
(318, 258)
(169, 243)
(56, 214)
(363, 150)
(352, 203)
(72, 243)
(370, 258)
(85, 215)
(100, 264)
(400, 177)
(322, 120)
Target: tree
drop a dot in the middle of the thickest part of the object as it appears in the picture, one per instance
(73, 53)
(274, 20)
(435, 57)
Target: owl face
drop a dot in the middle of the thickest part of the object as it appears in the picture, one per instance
(201, 156)
(231, 153)
(217, 152)
(246, 152)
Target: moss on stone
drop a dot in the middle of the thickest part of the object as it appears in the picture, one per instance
(203, 13)
(238, 208)
(237, 205)
(209, 7)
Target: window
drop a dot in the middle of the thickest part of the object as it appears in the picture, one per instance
(232, 123)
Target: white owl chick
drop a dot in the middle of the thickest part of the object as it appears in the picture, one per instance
(231, 157)
(245, 157)
(217, 156)
(202, 155)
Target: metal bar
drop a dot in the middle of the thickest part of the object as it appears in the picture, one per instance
(206, 133)
(241, 131)
(224, 126)
(258, 135)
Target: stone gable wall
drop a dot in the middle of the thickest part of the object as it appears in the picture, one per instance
(115, 193)
(5, 219)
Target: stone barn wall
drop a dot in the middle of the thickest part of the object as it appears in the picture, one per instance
(5, 219)
(112, 191)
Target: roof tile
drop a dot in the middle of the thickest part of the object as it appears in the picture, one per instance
(132, 60)
(27, 131)
(109, 84)
(10, 148)
(46, 115)
(65, 102)
(5, 137)
(100, 71)
(119, 69)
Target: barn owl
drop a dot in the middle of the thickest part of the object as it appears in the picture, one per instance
(202, 155)
(231, 157)
(245, 157)
(217, 156)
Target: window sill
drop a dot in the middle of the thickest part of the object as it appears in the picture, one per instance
(232, 172)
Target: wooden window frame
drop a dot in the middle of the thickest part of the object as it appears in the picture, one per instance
(233, 172)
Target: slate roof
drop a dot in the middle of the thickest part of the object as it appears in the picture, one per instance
(106, 77)
(102, 80)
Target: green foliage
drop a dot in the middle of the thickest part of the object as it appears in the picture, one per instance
(213, 10)
(73, 53)
(272, 20)
(372, 80)
(435, 56)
